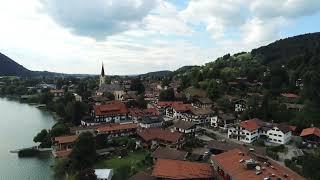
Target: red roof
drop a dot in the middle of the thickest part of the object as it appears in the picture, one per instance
(175, 169)
(111, 108)
(151, 111)
(233, 163)
(251, 124)
(161, 134)
(65, 139)
(136, 112)
(165, 103)
(139, 113)
(115, 127)
(180, 107)
(289, 95)
(310, 131)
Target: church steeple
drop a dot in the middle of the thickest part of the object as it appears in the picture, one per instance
(102, 70)
(102, 76)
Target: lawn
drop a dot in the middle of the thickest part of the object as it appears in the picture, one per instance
(135, 160)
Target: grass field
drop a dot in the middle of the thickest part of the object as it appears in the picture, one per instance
(133, 160)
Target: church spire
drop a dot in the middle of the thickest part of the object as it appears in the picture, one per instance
(102, 76)
(102, 70)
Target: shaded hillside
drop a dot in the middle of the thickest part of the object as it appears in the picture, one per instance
(157, 74)
(8, 67)
(299, 53)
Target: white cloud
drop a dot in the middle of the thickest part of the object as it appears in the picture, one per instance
(284, 8)
(98, 18)
(159, 37)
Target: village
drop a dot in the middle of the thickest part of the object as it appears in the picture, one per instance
(191, 137)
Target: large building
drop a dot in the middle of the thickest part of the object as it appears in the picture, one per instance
(110, 112)
(154, 137)
(250, 130)
(238, 165)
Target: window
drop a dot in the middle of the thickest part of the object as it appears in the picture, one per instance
(280, 135)
(279, 140)
(270, 134)
(230, 130)
(247, 133)
(243, 133)
(247, 139)
(274, 140)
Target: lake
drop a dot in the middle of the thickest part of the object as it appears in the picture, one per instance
(19, 123)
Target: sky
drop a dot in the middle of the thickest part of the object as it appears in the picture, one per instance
(138, 36)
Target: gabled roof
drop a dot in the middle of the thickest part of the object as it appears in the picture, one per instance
(111, 108)
(201, 111)
(115, 127)
(310, 131)
(174, 169)
(184, 124)
(251, 124)
(152, 119)
(289, 95)
(160, 134)
(181, 107)
(65, 139)
(233, 163)
(168, 153)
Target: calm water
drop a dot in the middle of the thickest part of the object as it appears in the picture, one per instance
(18, 125)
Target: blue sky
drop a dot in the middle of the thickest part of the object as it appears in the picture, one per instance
(137, 36)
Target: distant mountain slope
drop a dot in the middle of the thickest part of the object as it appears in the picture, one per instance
(8, 67)
(157, 74)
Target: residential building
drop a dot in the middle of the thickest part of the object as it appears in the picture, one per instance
(223, 120)
(250, 130)
(240, 105)
(62, 145)
(311, 135)
(77, 97)
(169, 153)
(198, 115)
(103, 174)
(57, 92)
(110, 112)
(184, 127)
(117, 130)
(202, 102)
(154, 137)
(151, 122)
(175, 169)
(238, 165)
(294, 106)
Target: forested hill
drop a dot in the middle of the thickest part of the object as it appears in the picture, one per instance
(290, 65)
(8, 67)
(299, 53)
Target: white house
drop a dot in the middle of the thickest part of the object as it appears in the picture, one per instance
(103, 174)
(249, 130)
(240, 105)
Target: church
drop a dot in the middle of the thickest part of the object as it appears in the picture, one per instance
(116, 89)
